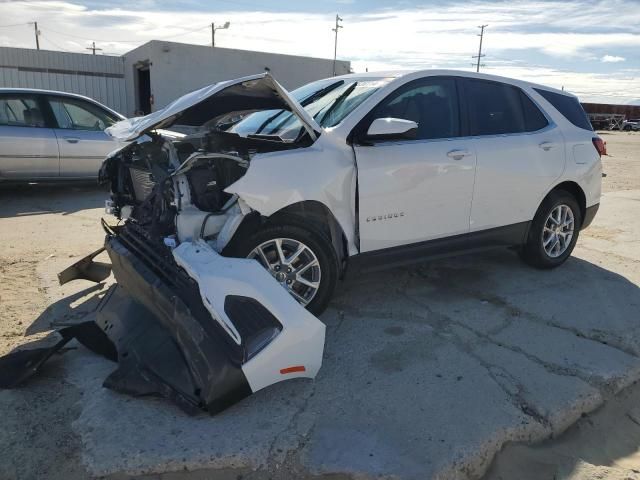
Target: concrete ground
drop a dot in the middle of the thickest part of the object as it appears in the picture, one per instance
(429, 371)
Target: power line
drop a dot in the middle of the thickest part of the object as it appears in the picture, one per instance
(55, 44)
(15, 25)
(140, 40)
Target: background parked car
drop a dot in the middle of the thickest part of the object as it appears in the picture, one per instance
(631, 125)
(48, 135)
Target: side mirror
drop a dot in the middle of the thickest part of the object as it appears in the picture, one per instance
(392, 128)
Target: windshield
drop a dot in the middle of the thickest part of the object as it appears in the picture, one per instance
(328, 101)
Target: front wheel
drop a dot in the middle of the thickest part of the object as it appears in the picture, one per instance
(553, 232)
(298, 257)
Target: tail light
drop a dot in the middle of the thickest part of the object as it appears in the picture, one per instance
(600, 145)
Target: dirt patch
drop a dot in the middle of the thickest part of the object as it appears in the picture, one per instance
(622, 164)
(601, 445)
(22, 299)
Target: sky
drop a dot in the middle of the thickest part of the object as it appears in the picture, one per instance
(589, 47)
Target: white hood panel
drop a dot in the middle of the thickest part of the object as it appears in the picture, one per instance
(261, 87)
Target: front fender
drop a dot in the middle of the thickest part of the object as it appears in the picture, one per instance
(318, 173)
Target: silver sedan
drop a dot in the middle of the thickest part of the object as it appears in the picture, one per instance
(48, 135)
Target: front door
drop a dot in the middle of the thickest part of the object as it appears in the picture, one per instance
(82, 142)
(28, 147)
(418, 189)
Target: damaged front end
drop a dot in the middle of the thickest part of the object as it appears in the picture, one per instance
(187, 322)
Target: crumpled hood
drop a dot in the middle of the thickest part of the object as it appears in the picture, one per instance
(255, 92)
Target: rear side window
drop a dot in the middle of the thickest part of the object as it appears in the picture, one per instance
(20, 111)
(497, 108)
(569, 107)
(75, 114)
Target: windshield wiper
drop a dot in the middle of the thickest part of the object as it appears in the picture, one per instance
(264, 124)
(266, 136)
(321, 93)
(338, 101)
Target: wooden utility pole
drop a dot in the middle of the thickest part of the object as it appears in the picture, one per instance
(480, 55)
(37, 32)
(335, 43)
(93, 48)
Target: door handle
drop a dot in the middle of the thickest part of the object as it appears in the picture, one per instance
(72, 139)
(458, 154)
(546, 146)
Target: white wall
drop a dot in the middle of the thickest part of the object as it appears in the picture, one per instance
(178, 68)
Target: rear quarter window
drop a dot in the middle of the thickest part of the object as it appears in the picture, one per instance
(569, 107)
(496, 108)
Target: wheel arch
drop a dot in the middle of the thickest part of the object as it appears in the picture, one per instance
(574, 189)
(307, 211)
(319, 215)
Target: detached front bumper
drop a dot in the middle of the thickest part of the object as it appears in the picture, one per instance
(201, 329)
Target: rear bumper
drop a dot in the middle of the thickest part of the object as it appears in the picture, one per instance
(589, 215)
(200, 329)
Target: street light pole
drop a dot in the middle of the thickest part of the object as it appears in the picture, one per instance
(213, 31)
(335, 44)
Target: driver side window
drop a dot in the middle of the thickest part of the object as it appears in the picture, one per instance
(430, 102)
(73, 114)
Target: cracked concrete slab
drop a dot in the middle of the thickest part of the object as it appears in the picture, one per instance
(428, 371)
(139, 436)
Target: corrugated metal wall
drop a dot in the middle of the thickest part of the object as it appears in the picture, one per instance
(100, 77)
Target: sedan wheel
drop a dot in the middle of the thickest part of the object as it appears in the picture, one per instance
(293, 264)
(558, 231)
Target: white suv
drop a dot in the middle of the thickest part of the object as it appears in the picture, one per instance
(364, 170)
(271, 197)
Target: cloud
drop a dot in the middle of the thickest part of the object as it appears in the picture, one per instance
(557, 42)
(612, 59)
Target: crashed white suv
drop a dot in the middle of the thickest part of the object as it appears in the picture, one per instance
(346, 173)
(365, 169)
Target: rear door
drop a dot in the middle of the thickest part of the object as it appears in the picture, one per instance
(82, 141)
(520, 153)
(28, 146)
(412, 190)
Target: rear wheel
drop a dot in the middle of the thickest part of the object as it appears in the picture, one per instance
(300, 258)
(554, 231)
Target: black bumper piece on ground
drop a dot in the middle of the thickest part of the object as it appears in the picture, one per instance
(17, 367)
(168, 344)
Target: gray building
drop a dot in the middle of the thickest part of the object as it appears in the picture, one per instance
(152, 75)
(97, 76)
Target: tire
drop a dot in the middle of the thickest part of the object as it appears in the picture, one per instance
(538, 250)
(290, 230)
(627, 128)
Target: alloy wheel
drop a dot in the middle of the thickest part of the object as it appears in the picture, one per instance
(293, 264)
(558, 231)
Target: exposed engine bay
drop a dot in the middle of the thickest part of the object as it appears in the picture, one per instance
(175, 188)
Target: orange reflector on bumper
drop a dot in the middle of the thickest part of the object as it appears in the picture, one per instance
(297, 368)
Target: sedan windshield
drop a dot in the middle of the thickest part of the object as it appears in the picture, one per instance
(328, 101)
